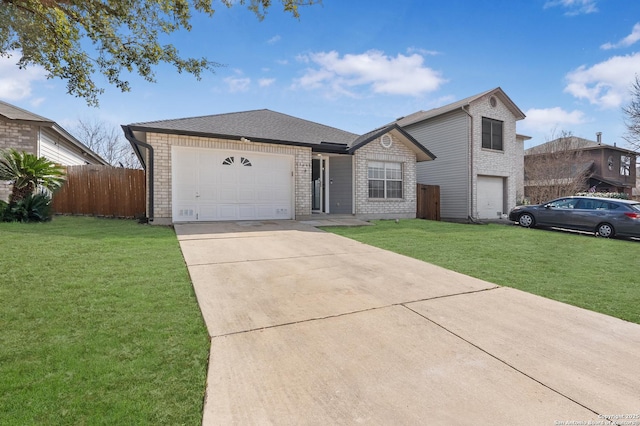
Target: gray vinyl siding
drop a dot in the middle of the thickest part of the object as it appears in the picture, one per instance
(447, 136)
(340, 185)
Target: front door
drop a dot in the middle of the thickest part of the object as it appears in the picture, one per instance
(318, 184)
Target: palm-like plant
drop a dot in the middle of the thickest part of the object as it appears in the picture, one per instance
(26, 173)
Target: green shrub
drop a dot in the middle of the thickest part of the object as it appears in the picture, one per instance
(32, 208)
(618, 195)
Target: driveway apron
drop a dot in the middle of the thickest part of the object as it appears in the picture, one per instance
(308, 327)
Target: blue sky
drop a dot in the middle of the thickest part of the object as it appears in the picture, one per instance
(356, 65)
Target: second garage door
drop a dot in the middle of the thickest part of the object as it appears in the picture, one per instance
(490, 197)
(214, 185)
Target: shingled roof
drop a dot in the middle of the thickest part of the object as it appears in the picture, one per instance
(423, 115)
(256, 125)
(12, 112)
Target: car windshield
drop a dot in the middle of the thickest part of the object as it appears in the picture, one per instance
(636, 207)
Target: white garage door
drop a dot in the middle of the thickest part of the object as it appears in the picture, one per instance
(211, 185)
(490, 197)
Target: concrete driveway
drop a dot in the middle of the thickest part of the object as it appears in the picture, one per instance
(312, 328)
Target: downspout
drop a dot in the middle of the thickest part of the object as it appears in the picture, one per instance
(136, 144)
(471, 168)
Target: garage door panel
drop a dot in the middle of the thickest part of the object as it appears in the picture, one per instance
(248, 212)
(490, 197)
(227, 185)
(227, 212)
(228, 195)
(247, 195)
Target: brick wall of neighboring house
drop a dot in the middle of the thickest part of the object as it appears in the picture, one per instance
(505, 163)
(162, 144)
(520, 168)
(20, 136)
(381, 208)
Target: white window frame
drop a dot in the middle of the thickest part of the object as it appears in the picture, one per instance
(389, 169)
(625, 165)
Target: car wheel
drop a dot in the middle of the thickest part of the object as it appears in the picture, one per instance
(526, 220)
(605, 230)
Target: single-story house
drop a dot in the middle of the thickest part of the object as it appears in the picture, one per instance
(480, 167)
(261, 164)
(28, 132)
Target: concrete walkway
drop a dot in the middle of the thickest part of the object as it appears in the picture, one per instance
(312, 328)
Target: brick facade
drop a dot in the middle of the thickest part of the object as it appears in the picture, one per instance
(380, 208)
(19, 136)
(486, 162)
(162, 144)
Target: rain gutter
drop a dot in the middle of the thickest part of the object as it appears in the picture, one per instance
(137, 146)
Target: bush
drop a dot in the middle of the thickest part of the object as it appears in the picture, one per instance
(618, 195)
(33, 208)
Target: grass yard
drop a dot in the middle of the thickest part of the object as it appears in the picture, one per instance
(594, 273)
(99, 324)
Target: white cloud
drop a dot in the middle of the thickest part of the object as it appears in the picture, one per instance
(423, 52)
(605, 84)
(16, 83)
(627, 41)
(266, 82)
(400, 75)
(549, 119)
(238, 84)
(274, 39)
(575, 7)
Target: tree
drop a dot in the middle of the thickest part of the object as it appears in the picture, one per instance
(125, 34)
(107, 142)
(555, 169)
(632, 116)
(27, 173)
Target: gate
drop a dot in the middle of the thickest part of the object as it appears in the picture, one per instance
(428, 202)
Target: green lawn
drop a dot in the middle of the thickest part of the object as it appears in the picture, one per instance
(98, 325)
(594, 273)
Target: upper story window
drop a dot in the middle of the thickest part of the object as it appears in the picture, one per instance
(385, 179)
(492, 134)
(625, 165)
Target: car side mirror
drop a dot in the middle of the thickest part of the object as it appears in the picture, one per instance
(547, 206)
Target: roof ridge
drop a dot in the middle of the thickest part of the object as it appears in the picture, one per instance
(198, 116)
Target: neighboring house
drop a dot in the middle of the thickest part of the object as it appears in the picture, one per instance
(607, 168)
(636, 190)
(261, 164)
(25, 131)
(480, 157)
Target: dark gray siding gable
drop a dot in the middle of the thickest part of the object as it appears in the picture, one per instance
(447, 136)
(340, 185)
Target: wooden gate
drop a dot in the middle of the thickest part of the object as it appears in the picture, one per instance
(102, 191)
(428, 202)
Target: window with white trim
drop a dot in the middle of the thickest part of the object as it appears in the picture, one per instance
(492, 134)
(625, 165)
(385, 179)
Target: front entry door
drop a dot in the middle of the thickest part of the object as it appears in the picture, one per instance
(317, 184)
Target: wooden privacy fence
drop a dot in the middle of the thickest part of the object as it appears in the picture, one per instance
(102, 191)
(428, 202)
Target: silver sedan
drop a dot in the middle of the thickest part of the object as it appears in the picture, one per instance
(604, 216)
